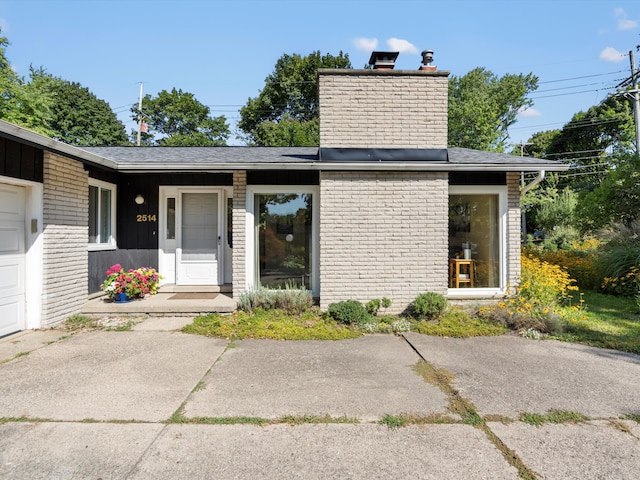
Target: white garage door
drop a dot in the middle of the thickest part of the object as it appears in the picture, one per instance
(12, 259)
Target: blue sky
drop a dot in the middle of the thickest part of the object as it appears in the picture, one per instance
(221, 51)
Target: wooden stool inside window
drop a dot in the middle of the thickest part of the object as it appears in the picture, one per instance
(460, 272)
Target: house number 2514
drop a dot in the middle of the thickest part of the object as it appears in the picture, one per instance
(146, 218)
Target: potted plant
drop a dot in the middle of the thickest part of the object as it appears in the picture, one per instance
(123, 286)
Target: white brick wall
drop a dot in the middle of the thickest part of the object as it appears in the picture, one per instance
(65, 237)
(382, 234)
(513, 227)
(383, 108)
(239, 233)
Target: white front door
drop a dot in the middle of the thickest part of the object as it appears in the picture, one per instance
(12, 259)
(199, 239)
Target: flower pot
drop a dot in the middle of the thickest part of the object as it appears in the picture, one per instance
(121, 298)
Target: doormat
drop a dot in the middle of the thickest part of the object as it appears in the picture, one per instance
(194, 296)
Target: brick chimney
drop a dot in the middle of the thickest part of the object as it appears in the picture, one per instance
(383, 108)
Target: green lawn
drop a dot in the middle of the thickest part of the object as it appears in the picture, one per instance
(607, 322)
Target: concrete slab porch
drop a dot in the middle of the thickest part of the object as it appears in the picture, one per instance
(165, 303)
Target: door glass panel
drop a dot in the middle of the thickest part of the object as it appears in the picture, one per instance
(474, 233)
(93, 214)
(283, 239)
(199, 226)
(171, 218)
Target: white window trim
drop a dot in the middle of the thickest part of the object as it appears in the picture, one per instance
(250, 263)
(501, 191)
(111, 244)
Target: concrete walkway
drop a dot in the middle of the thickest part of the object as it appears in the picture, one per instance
(153, 403)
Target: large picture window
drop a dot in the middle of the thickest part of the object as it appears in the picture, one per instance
(475, 238)
(102, 201)
(284, 243)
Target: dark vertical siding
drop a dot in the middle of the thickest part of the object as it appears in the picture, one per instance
(138, 240)
(477, 178)
(283, 177)
(18, 160)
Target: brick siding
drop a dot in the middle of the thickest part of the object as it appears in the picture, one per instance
(239, 233)
(382, 234)
(65, 237)
(513, 228)
(383, 108)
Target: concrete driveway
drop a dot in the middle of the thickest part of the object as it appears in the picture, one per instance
(156, 403)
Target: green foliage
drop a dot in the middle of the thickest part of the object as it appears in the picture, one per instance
(177, 118)
(615, 200)
(23, 104)
(393, 421)
(428, 306)
(619, 259)
(373, 306)
(349, 312)
(285, 112)
(78, 117)
(457, 323)
(291, 299)
(270, 324)
(482, 107)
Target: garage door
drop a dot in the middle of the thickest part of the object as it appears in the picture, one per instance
(12, 259)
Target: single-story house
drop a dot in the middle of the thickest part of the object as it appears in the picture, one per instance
(382, 208)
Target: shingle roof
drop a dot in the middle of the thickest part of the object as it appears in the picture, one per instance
(234, 158)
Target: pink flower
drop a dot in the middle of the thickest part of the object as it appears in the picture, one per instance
(114, 269)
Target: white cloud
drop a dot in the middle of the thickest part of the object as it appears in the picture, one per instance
(402, 46)
(529, 112)
(624, 23)
(4, 25)
(610, 54)
(365, 44)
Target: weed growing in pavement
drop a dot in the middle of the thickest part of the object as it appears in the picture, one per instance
(632, 416)
(305, 419)
(554, 416)
(393, 421)
(17, 355)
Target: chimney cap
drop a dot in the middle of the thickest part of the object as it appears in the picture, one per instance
(427, 57)
(383, 59)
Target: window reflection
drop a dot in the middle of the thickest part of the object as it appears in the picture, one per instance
(283, 239)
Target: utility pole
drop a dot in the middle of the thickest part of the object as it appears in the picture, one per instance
(140, 114)
(636, 99)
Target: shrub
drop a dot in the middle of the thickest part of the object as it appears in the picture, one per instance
(373, 306)
(428, 305)
(293, 300)
(544, 283)
(580, 262)
(349, 312)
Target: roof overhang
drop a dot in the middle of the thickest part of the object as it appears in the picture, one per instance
(29, 137)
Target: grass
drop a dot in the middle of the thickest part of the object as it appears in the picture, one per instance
(554, 416)
(457, 323)
(608, 322)
(271, 324)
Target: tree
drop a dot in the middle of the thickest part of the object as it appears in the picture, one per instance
(178, 119)
(20, 103)
(616, 200)
(285, 112)
(78, 117)
(482, 107)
